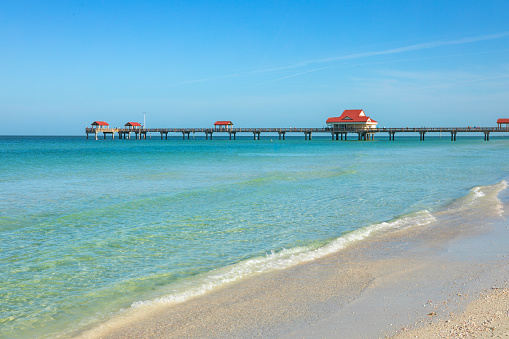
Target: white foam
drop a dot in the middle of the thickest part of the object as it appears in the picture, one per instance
(499, 188)
(285, 259)
(477, 192)
(483, 197)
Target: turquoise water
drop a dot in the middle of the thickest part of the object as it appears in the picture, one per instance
(88, 227)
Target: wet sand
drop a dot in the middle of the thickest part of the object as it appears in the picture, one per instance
(390, 284)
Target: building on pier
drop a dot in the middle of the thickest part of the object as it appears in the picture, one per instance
(223, 125)
(100, 124)
(133, 125)
(354, 119)
(501, 122)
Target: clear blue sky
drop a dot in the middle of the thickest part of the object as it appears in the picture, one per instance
(258, 63)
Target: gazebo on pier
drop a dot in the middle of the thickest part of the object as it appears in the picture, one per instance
(133, 125)
(100, 124)
(501, 122)
(223, 125)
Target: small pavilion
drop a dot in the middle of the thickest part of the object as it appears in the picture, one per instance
(501, 122)
(352, 119)
(100, 124)
(133, 125)
(223, 125)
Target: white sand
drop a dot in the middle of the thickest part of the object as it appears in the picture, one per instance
(486, 317)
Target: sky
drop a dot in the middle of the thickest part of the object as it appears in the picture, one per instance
(65, 64)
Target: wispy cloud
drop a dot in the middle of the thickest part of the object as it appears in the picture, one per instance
(399, 50)
(416, 47)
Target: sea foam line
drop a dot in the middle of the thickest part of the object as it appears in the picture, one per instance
(298, 255)
(497, 189)
(285, 259)
(484, 198)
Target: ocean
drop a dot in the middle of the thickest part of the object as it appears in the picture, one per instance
(89, 229)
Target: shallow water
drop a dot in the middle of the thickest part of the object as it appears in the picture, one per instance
(388, 275)
(90, 227)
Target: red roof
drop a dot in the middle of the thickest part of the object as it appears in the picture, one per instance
(133, 124)
(100, 123)
(222, 123)
(503, 121)
(351, 115)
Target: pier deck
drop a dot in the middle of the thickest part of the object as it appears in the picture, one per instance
(337, 134)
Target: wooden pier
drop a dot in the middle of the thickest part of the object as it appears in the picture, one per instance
(336, 134)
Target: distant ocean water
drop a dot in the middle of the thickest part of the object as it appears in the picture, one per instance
(88, 228)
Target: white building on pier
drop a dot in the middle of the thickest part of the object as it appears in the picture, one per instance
(352, 119)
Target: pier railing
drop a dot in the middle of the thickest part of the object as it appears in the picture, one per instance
(303, 129)
(363, 133)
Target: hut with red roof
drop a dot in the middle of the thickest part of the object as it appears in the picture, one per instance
(133, 125)
(100, 124)
(501, 122)
(223, 125)
(352, 119)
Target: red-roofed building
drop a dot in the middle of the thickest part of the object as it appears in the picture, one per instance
(501, 122)
(223, 125)
(133, 125)
(352, 119)
(100, 124)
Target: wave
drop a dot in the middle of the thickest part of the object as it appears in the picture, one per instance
(286, 258)
(482, 200)
(478, 198)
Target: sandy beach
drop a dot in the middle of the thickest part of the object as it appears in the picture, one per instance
(410, 283)
(486, 317)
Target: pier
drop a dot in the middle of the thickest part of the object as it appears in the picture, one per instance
(307, 133)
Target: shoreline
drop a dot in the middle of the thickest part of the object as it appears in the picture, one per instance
(393, 282)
